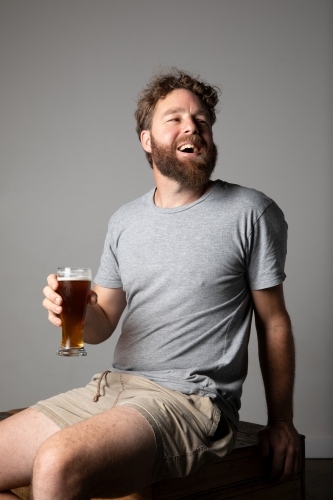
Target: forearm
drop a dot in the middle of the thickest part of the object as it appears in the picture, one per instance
(102, 318)
(97, 327)
(277, 361)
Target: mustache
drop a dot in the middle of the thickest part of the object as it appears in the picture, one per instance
(196, 140)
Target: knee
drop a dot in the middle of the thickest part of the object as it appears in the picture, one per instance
(56, 472)
(49, 462)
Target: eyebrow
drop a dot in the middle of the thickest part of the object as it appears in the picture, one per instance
(172, 111)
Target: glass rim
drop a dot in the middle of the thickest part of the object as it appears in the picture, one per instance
(67, 272)
(74, 268)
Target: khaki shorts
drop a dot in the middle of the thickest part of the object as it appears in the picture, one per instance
(184, 425)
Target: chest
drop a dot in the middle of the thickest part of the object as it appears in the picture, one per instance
(208, 252)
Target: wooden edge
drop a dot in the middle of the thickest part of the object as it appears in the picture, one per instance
(9, 413)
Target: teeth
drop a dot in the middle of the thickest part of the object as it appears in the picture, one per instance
(187, 146)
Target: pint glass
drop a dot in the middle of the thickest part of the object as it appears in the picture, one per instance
(74, 287)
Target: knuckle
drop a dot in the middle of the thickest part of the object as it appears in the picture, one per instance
(53, 318)
(281, 450)
(52, 281)
(56, 299)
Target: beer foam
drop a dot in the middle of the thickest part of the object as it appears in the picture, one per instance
(72, 278)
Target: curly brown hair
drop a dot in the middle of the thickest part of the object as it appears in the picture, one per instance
(161, 84)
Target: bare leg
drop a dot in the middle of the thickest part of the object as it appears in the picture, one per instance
(20, 437)
(109, 455)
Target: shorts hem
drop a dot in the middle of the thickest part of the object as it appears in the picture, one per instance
(158, 438)
(51, 415)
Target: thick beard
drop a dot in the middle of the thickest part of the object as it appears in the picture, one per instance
(189, 173)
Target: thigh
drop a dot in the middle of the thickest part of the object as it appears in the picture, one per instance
(110, 454)
(20, 438)
(184, 426)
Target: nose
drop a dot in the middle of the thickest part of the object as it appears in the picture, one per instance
(190, 126)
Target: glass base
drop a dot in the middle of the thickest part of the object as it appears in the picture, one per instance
(71, 351)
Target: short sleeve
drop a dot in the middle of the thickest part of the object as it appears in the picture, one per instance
(108, 274)
(267, 249)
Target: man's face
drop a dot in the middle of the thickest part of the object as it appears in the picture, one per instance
(181, 140)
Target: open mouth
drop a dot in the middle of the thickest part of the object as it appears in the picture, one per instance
(189, 148)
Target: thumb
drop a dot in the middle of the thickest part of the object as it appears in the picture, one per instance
(93, 298)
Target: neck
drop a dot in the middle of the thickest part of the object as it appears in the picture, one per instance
(170, 194)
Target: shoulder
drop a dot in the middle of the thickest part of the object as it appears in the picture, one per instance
(133, 209)
(243, 197)
(246, 206)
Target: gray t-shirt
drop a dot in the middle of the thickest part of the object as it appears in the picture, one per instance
(187, 273)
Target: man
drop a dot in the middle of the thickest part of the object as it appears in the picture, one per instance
(189, 261)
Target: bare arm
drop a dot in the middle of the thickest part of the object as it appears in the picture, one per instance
(102, 318)
(277, 361)
(104, 310)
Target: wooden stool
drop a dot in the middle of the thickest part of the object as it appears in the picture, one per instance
(241, 475)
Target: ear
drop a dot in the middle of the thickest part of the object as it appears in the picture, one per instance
(146, 140)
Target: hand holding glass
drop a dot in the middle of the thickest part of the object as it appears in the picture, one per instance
(74, 287)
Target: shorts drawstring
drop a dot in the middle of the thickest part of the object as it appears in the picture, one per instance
(98, 394)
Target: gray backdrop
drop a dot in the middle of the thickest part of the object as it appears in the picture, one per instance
(70, 73)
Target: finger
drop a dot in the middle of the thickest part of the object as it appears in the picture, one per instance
(54, 319)
(277, 467)
(52, 296)
(52, 307)
(289, 464)
(298, 461)
(93, 298)
(52, 281)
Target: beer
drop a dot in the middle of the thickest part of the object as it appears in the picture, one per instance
(74, 288)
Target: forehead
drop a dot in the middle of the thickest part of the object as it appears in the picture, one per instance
(180, 100)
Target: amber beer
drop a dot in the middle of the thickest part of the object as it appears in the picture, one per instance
(74, 287)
